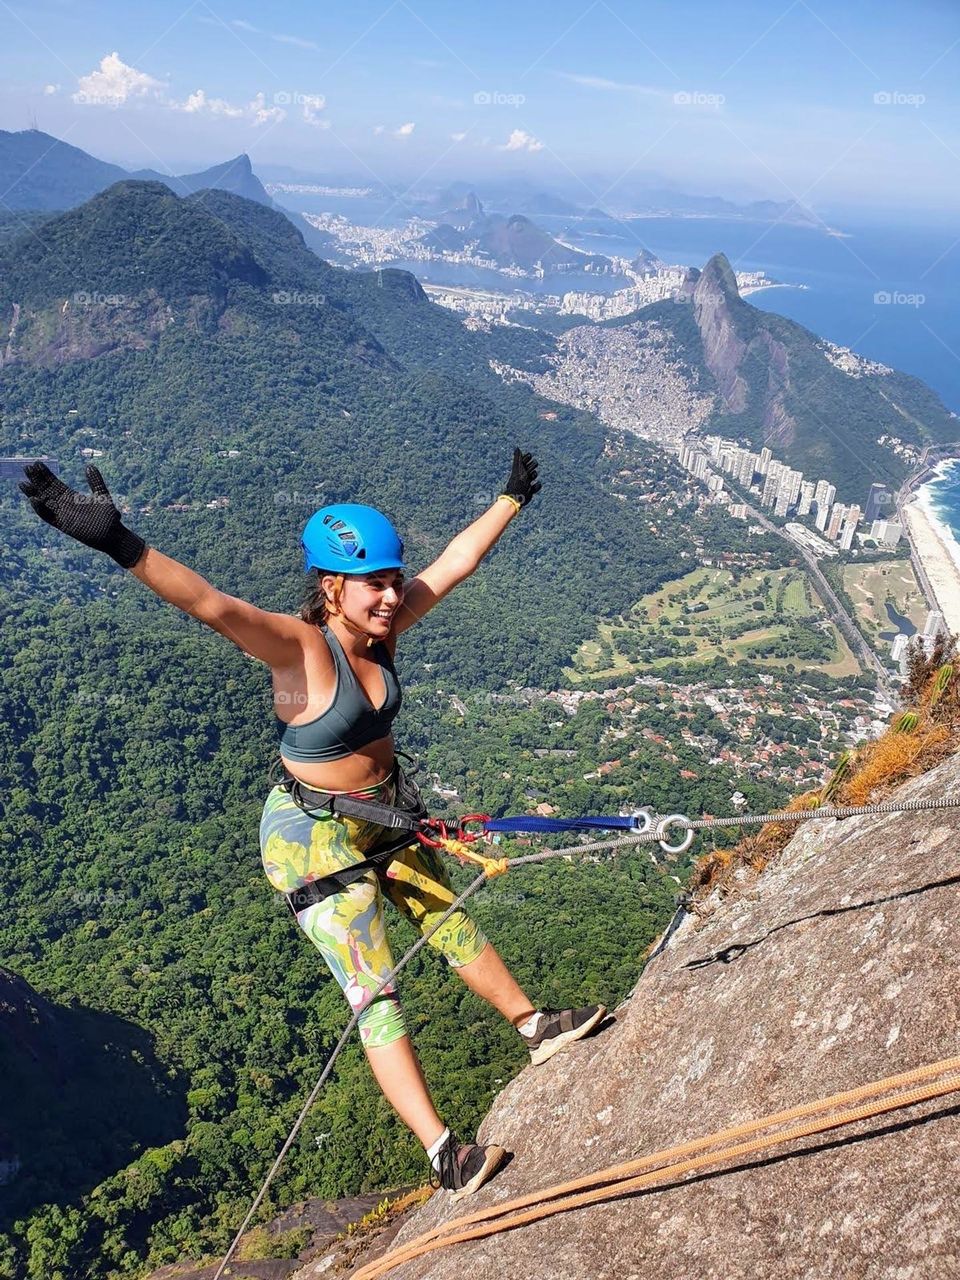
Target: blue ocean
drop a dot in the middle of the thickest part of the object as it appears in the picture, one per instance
(941, 497)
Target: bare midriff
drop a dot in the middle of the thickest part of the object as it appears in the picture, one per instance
(302, 693)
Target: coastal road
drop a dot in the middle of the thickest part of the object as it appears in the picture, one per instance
(837, 613)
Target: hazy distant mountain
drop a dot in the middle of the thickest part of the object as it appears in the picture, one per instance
(509, 242)
(234, 175)
(41, 172)
(645, 262)
(38, 171)
(647, 196)
(516, 241)
(677, 202)
(466, 212)
(544, 202)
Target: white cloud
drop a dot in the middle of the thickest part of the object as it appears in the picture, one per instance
(377, 130)
(51, 88)
(239, 24)
(114, 83)
(457, 137)
(520, 140)
(313, 104)
(262, 114)
(405, 130)
(198, 101)
(614, 86)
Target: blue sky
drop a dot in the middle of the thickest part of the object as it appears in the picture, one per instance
(841, 105)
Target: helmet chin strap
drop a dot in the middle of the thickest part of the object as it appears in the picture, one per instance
(338, 612)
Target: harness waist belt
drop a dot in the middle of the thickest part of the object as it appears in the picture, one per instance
(406, 821)
(353, 807)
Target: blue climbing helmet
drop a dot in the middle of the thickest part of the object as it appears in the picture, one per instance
(348, 537)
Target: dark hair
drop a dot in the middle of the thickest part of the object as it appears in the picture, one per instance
(314, 606)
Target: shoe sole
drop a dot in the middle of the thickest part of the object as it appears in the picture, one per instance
(545, 1051)
(494, 1158)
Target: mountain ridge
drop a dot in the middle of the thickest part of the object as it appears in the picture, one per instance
(39, 171)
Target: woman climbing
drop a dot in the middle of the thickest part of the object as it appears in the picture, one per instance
(334, 678)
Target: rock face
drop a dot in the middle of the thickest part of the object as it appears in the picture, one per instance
(837, 966)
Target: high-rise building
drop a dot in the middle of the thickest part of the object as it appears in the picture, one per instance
(824, 494)
(699, 465)
(879, 501)
(806, 498)
(771, 486)
(933, 624)
(886, 533)
(837, 514)
(748, 465)
(791, 480)
(846, 536)
(823, 513)
(763, 466)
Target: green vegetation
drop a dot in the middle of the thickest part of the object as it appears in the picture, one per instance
(769, 617)
(135, 743)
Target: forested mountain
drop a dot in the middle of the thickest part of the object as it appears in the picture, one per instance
(233, 382)
(164, 331)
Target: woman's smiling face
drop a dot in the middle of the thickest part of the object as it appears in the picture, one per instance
(369, 600)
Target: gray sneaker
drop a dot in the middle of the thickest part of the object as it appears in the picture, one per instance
(464, 1167)
(559, 1027)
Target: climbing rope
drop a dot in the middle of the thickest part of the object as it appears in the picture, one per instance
(668, 1165)
(655, 834)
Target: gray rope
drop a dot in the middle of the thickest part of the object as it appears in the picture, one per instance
(348, 1031)
(567, 851)
(825, 811)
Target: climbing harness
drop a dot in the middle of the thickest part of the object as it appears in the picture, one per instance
(405, 818)
(653, 835)
(907, 1089)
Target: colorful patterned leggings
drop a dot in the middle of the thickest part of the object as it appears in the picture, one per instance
(348, 927)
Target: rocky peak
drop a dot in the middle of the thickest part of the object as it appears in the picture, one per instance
(717, 284)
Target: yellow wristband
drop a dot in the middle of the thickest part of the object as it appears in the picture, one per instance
(510, 498)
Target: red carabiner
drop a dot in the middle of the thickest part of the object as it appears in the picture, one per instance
(470, 836)
(436, 824)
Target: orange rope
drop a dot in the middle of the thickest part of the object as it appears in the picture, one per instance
(517, 1212)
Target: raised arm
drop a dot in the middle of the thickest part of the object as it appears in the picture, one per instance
(93, 519)
(463, 554)
(273, 638)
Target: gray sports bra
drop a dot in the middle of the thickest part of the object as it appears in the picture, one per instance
(351, 720)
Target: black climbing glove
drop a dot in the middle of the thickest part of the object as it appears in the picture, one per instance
(91, 518)
(521, 484)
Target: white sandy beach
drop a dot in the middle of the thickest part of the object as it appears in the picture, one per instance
(940, 556)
